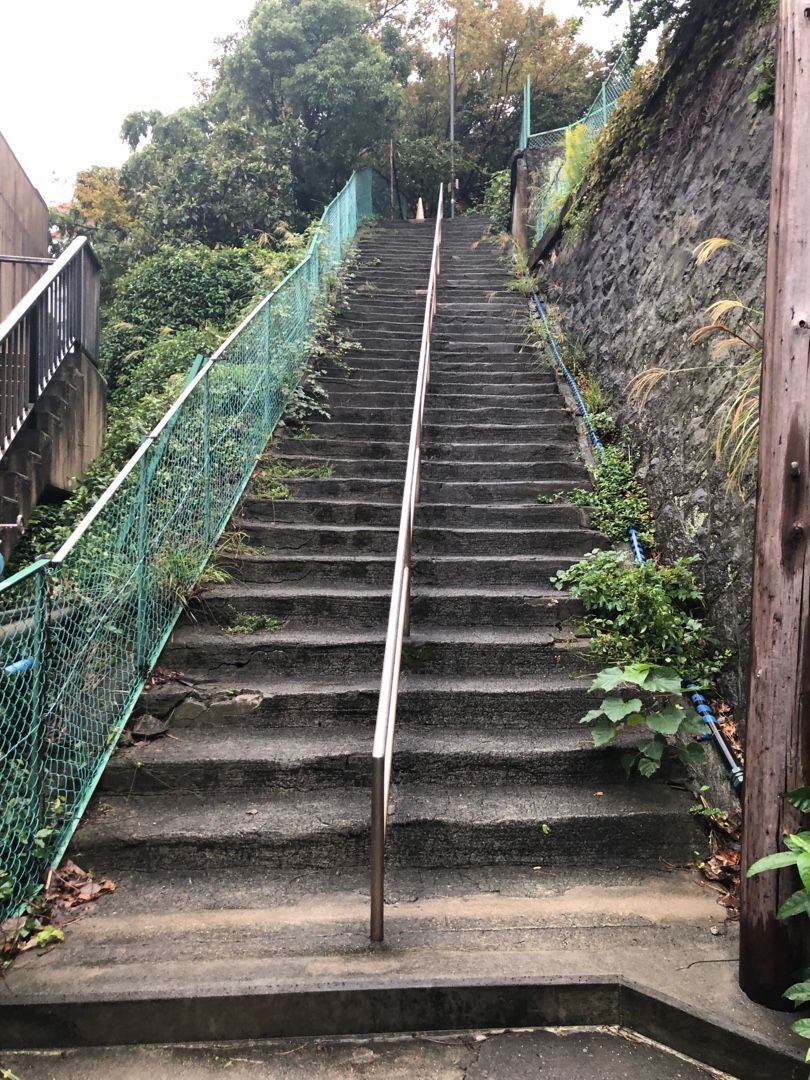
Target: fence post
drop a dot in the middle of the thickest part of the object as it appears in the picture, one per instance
(603, 96)
(777, 752)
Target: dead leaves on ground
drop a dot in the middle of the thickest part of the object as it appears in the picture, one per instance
(70, 894)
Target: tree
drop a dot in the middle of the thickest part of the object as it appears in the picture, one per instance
(496, 47)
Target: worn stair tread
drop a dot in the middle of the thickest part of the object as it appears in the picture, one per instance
(239, 590)
(298, 747)
(205, 635)
(289, 815)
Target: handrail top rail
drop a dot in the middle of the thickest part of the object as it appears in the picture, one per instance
(21, 309)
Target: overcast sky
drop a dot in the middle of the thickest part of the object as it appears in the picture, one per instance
(72, 72)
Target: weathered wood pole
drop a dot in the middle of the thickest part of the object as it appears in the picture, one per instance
(778, 737)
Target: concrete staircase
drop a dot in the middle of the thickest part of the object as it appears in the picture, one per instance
(240, 842)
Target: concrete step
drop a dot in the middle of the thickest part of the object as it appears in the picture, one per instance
(443, 491)
(442, 826)
(448, 515)
(301, 606)
(537, 703)
(291, 759)
(436, 413)
(207, 651)
(306, 539)
(378, 569)
(443, 432)
(329, 450)
(435, 469)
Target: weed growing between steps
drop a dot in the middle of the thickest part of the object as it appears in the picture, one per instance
(643, 618)
(269, 479)
(250, 622)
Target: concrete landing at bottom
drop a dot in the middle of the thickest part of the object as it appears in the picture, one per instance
(569, 1054)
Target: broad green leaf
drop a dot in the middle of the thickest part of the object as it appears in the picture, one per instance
(798, 841)
(803, 866)
(667, 720)
(664, 680)
(653, 749)
(647, 766)
(800, 798)
(692, 753)
(693, 724)
(799, 993)
(608, 679)
(636, 719)
(603, 732)
(615, 709)
(589, 717)
(802, 1027)
(773, 862)
(798, 904)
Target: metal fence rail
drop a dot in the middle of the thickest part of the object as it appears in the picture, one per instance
(80, 632)
(57, 316)
(553, 144)
(399, 612)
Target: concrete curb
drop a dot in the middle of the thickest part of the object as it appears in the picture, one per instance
(367, 1008)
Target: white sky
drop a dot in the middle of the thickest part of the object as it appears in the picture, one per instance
(72, 72)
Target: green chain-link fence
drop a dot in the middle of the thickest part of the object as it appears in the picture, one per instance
(556, 145)
(81, 631)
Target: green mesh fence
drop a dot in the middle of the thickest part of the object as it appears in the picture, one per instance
(560, 147)
(81, 631)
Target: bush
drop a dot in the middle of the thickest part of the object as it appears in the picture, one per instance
(496, 203)
(644, 613)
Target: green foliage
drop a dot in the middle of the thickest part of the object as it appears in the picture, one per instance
(496, 204)
(577, 154)
(662, 713)
(618, 500)
(798, 855)
(186, 289)
(644, 613)
(764, 93)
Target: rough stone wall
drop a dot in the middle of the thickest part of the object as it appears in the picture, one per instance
(630, 294)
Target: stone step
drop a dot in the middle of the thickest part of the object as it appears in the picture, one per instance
(440, 397)
(435, 469)
(299, 606)
(331, 449)
(333, 512)
(305, 539)
(436, 413)
(378, 569)
(448, 432)
(541, 703)
(469, 825)
(203, 650)
(240, 759)
(567, 477)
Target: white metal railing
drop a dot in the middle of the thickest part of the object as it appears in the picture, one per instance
(56, 316)
(399, 613)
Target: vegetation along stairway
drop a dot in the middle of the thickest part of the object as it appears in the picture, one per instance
(240, 842)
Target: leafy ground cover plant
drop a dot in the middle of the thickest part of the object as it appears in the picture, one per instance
(617, 498)
(644, 613)
(642, 617)
(660, 711)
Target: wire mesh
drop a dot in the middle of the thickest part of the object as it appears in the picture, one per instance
(79, 633)
(553, 144)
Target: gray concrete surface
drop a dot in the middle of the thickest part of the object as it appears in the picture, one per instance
(506, 1055)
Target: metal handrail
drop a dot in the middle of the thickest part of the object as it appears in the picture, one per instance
(56, 316)
(399, 612)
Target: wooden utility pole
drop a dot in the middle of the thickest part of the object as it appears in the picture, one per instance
(778, 737)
